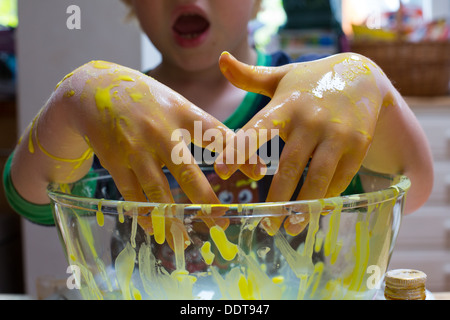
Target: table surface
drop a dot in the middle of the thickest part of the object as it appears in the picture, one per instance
(442, 296)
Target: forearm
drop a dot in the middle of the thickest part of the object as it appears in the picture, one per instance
(400, 146)
(49, 151)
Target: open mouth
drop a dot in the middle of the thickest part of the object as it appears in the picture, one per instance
(190, 26)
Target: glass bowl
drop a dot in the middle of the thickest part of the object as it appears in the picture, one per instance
(334, 248)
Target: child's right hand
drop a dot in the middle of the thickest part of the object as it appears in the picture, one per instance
(128, 119)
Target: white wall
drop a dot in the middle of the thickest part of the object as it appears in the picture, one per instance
(48, 50)
(436, 9)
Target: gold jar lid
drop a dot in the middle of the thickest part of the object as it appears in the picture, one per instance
(405, 284)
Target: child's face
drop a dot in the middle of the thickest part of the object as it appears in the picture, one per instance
(191, 34)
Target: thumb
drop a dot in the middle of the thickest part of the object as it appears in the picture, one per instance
(262, 80)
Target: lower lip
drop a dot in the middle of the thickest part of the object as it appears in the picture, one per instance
(191, 42)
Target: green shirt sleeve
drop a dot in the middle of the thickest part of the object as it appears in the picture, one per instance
(40, 214)
(355, 187)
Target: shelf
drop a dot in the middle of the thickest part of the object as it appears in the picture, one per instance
(426, 102)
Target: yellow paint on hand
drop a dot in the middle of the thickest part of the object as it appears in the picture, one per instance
(103, 97)
(98, 64)
(281, 123)
(227, 249)
(124, 77)
(69, 93)
(30, 140)
(135, 95)
(65, 77)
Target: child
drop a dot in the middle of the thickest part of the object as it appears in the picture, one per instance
(336, 113)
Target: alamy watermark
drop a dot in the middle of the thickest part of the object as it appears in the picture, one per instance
(374, 280)
(73, 21)
(74, 280)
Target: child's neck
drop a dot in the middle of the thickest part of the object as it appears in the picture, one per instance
(208, 89)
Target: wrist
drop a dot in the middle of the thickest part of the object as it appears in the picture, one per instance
(53, 131)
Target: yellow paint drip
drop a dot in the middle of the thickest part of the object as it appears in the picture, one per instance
(246, 288)
(99, 215)
(158, 222)
(183, 275)
(227, 249)
(206, 253)
(124, 269)
(120, 212)
(134, 222)
(278, 279)
(136, 294)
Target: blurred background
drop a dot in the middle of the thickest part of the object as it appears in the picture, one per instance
(408, 39)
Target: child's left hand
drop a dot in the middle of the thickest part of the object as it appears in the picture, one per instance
(325, 110)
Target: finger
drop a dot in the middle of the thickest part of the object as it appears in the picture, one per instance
(293, 161)
(157, 189)
(320, 173)
(263, 80)
(151, 178)
(193, 182)
(197, 188)
(240, 152)
(267, 124)
(131, 190)
(207, 132)
(126, 182)
(346, 170)
(176, 235)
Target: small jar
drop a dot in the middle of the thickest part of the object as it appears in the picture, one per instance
(405, 284)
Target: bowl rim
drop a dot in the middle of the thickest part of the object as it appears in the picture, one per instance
(400, 186)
